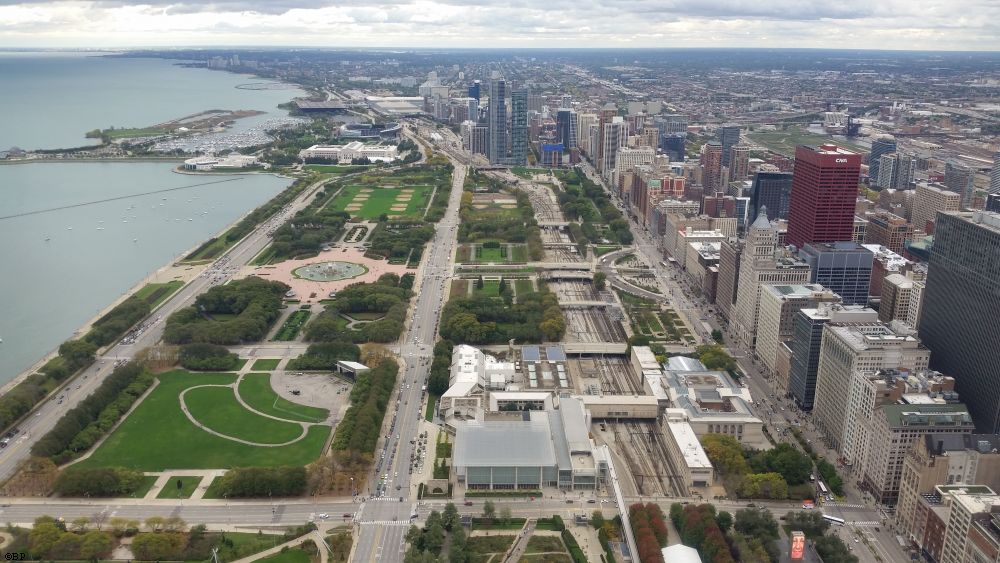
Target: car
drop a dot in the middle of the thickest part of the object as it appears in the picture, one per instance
(569, 501)
(324, 515)
(468, 503)
(348, 515)
(856, 540)
(591, 501)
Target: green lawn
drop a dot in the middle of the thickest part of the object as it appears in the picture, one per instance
(292, 325)
(519, 253)
(147, 483)
(187, 488)
(491, 288)
(290, 556)
(785, 141)
(431, 405)
(488, 544)
(541, 544)
(255, 389)
(381, 200)
(132, 132)
(522, 287)
(266, 364)
(491, 254)
(217, 409)
(335, 169)
(156, 293)
(158, 436)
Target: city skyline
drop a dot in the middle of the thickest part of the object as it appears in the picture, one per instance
(970, 25)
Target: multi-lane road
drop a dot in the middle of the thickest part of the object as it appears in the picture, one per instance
(47, 413)
(383, 521)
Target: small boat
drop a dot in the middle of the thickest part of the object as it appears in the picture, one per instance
(100, 228)
(69, 228)
(47, 239)
(135, 239)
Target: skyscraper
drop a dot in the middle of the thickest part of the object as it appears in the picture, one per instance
(474, 90)
(895, 171)
(739, 162)
(566, 123)
(673, 145)
(498, 121)
(519, 128)
(995, 174)
(711, 166)
(927, 201)
(772, 190)
(959, 179)
(884, 144)
(729, 135)
(959, 319)
(608, 114)
(613, 136)
(824, 190)
(843, 267)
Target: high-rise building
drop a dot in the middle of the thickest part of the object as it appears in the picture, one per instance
(995, 175)
(824, 190)
(473, 109)
(613, 137)
(763, 263)
(894, 429)
(674, 123)
(474, 90)
(729, 136)
(895, 302)
(729, 274)
(844, 268)
(673, 144)
(519, 128)
(566, 123)
(888, 229)
(896, 171)
(807, 338)
(992, 203)
(498, 121)
(943, 459)
(604, 120)
(480, 140)
(711, 166)
(848, 349)
(739, 162)
(884, 144)
(778, 305)
(566, 101)
(928, 200)
(772, 190)
(959, 178)
(959, 319)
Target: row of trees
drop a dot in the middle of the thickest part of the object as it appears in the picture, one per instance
(49, 539)
(118, 321)
(428, 541)
(74, 355)
(715, 357)
(312, 227)
(76, 481)
(255, 482)
(398, 239)
(701, 529)
(247, 309)
(84, 424)
(440, 376)
(325, 355)
(386, 296)
(650, 531)
(536, 317)
(585, 200)
(201, 356)
(361, 426)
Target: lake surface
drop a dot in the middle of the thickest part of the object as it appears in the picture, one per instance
(50, 100)
(49, 289)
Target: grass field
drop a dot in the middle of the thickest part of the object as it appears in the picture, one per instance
(187, 488)
(381, 200)
(480, 547)
(459, 288)
(147, 483)
(266, 364)
(156, 293)
(491, 254)
(491, 288)
(255, 389)
(293, 555)
(218, 409)
(522, 287)
(292, 325)
(158, 436)
(431, 405)
(541, 544)
(784, 142)
(210, 249)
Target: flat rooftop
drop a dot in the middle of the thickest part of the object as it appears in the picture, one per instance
(690, 446)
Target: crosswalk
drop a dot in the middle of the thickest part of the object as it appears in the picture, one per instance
(864, 523)
(383, 523)
(844, 504)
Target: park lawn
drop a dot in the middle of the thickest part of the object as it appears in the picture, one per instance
(541, 544)
(157, 436)
(144, 486)
(459, 288)
(187, 488)
(335, 169)
(131, 132)
(490, 254)
(294, 555)
(523, 287)
(266, 364)
(432, 400)
(292, 325)
(463, 253)
(481, 545)
(546, 558)
(366, 316)
(491, 288)
(218, 409)
(519, 253)
(156, 293)
(255, 389)
(785, 141)
(381, 200)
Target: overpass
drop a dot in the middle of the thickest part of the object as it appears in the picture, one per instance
(583, 304)
(563, 265)
(566, 275)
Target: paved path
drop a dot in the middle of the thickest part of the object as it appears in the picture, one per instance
(314, 536)
(163, 478)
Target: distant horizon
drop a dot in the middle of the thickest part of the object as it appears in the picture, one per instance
(241, 47)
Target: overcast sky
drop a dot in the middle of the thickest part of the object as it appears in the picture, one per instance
(875, 24)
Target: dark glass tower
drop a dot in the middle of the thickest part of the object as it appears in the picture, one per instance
(772, 190)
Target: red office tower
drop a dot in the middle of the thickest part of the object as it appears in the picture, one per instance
(824, 189)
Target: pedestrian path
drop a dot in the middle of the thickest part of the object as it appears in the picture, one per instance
(383, 523)
(844, 504)
(863, 523)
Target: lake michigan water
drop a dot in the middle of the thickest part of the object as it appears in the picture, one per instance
(97, 252)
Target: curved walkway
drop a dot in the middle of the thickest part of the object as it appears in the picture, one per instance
(236, 392)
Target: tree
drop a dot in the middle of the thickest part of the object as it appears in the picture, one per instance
(434, 538)
(158, 546)
(505, 514)
(77, 352)
(43, 538)
(95, 546)
(489, 511)
(450, 517)
(717, 336)
(724, 520)
(479, 282)
(597, 519)
(457, 552)
(80, 522)
(600, 281)
(752, 522)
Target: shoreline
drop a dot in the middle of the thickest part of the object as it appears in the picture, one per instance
(174, 262)
(90, 159)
